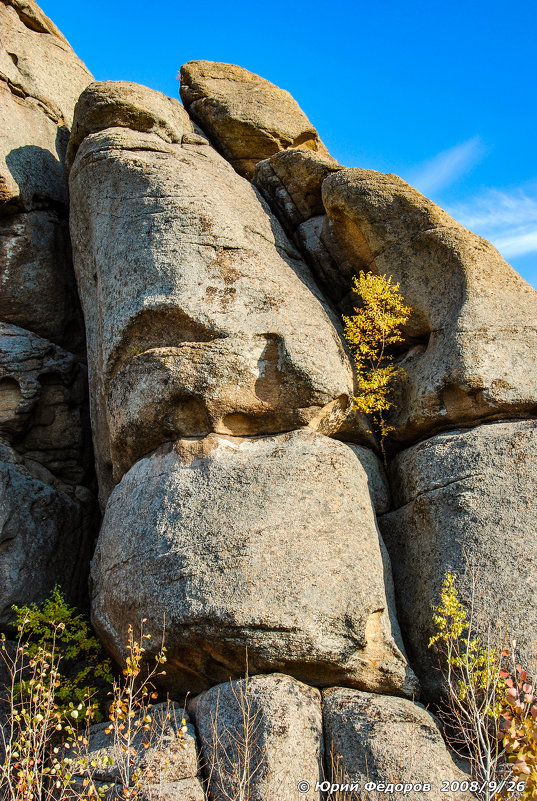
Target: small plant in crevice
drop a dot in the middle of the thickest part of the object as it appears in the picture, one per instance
(371, 332)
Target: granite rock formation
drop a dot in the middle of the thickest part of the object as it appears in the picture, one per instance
(214, 247)
(48, 517)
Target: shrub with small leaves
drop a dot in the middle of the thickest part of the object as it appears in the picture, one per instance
(519, 726)
(83, 667)
(130, 711)
(490, 709)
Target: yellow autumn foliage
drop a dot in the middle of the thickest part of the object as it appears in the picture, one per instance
(370, 332)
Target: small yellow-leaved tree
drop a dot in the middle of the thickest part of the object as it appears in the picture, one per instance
(371, 332)
(490, 706)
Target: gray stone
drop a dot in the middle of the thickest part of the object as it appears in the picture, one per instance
(40, 80)
(47, 518)
(183, 790)
(473, 328)
(378, 738)
(265, 545)
(43, 409)
(46, 530)
(466, 498)
(246, 117)
(260, 737)
(37, 284)
(165, 752)
(199, 319)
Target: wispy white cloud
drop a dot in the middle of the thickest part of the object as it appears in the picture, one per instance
(507, 218)
(446, 167)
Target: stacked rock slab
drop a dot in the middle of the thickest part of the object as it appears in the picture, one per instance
(207, 337)
(247, 117)
(48, 516)
(477, 320)
(261, 738)
(461, 497)
(470, 341)
(163, 750)
(388, 742)
(466, 498)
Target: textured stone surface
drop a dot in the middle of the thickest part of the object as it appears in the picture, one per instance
(379, 738)
(47, 520)
(473, 331)
(199, 319)
(109, 104)
(466, 497)
(37, 285)
(43, 409)
(183, 790)
(46, 529)
(266, 544)
(40, 80)
(261, 736)
(246, 117)
(291, 182)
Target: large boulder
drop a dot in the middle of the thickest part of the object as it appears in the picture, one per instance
(466, 499)
(473, 328)
(247, 117)
(46, 532)
(258, 548)
(390, 741)
(199, 318)
(260, 738)
(112, 104)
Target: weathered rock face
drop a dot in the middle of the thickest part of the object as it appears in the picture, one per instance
(291, 182)
(265, 544)
(261, 736)
(113, 104)
(47, 516)
(474, 321)
(40, 80)
(466, 497)
(46, 527)
(378, 738)
(43, 413)
(198, 320)
(246, 117)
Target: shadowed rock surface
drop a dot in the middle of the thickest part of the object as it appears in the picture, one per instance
(48, 515)
(46, 528)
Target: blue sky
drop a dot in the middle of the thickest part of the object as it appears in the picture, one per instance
(443, 94)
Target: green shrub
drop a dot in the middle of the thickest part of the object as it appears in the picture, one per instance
(83, 667)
